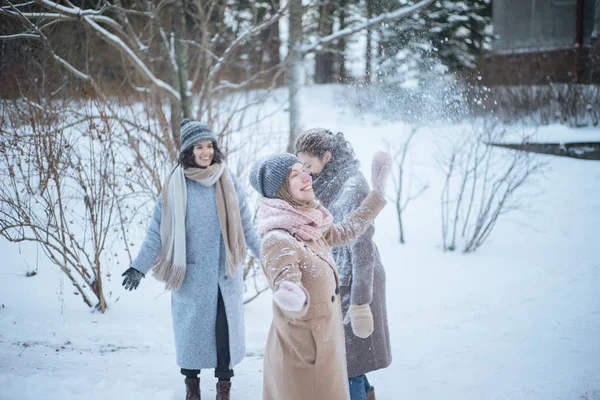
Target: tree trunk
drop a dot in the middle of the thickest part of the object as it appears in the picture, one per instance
(342, 71)
(274, 41)
(295, 71)
(268, 55)
(181, 57)
(324, 60)
(324, 67)
(368, 54)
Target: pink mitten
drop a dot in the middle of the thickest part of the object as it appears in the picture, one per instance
(289, 296)
(380, 169)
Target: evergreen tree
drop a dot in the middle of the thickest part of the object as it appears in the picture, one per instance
(447, 36)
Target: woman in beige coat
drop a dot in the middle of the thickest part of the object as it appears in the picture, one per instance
(305, 354)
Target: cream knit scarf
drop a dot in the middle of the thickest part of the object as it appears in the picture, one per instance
(169, 266)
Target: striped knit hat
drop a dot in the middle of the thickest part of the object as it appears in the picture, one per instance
(194, 131)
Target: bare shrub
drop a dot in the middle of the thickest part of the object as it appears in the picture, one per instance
(191, 54)
(101, 163)
(577, 105)
(482, 182)
(399, 151)
(60, 189)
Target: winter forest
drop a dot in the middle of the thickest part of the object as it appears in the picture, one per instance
(478, 279)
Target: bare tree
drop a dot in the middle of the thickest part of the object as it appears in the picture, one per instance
(181, 59)
(401, 200)
(174, 49)
(482, 183)
(150, 35)
(60, 190)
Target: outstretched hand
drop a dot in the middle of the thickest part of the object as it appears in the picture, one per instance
(380, 170)
(132, 278)
(290, 296)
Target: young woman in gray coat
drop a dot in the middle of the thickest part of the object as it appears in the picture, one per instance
(195, 244)
(341, 187)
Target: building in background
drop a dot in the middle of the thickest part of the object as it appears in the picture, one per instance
(543, 41)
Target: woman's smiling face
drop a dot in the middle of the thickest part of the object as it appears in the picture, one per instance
(204, 153)
(300, 183)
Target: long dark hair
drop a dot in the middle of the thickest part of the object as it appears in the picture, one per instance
(317, 141)
(186, 157)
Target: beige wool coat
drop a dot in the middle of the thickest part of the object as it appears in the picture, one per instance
(305, 356)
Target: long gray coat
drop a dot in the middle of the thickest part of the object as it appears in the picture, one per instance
(194, 305)
(341, 189)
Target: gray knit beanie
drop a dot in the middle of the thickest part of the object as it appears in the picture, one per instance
(268, 173)
(194, 131)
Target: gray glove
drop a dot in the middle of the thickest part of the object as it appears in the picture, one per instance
(132, 278)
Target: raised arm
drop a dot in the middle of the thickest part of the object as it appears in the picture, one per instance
(280, 258)
(364, 215)
(357, 222)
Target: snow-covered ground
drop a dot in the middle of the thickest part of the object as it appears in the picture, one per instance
(518, 319)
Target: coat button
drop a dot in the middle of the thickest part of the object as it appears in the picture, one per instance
(337, 290)
(226, 277)
(333, 299)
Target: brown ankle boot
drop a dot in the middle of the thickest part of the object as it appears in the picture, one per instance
(223, 388)
(371, 394)
(192, 389)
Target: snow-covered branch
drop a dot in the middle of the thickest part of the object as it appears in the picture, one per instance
(20, 36)
(239, 40)
(131, 12)
(71, 68)
(138, 64)
(70, 11)
(385, 17)
(17, 5)
(224, 84)
(59, 59)
(41, 15)
(170, 45)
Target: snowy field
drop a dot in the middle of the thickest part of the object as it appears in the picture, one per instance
(518, 319)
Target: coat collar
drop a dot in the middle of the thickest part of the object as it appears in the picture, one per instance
(329, 182)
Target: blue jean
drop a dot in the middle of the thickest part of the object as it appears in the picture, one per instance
(359, 387)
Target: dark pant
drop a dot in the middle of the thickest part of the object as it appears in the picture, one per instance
(223, 372)
(359, 387)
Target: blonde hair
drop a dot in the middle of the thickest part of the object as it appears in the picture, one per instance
(284, 193)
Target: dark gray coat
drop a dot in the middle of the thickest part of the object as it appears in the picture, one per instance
(341, 189)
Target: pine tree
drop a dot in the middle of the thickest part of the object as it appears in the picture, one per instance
(447, 36)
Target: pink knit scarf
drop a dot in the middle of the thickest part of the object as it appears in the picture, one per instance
(306, 224)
